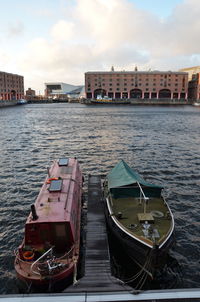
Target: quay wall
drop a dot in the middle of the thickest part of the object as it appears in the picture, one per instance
(6, 103)
(161, 102)
(143, 102)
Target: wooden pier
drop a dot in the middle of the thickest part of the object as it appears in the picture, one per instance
(97, 277)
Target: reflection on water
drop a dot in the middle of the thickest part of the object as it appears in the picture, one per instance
(161, 143)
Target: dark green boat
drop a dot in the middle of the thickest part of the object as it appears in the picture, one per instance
(139, 217)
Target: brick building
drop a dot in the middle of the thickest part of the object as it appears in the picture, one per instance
(194, 87)
(137, 84)
(11, 86)
(30, 93)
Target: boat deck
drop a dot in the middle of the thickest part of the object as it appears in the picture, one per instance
(131, 207)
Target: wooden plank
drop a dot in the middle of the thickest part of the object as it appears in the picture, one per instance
(97, 264)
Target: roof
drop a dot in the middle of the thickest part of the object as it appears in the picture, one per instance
(76, 91)
(55, 200)
(137, 72)
(122, 175)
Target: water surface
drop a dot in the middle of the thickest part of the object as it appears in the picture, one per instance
(161, 143)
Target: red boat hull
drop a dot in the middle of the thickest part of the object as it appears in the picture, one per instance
(50, 249)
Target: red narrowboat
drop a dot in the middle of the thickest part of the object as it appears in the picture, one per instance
(50, 248)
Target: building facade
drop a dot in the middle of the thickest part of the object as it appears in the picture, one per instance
(194, 87)
(136, 84)
(61, 90)
(11, 86)
(30, 93)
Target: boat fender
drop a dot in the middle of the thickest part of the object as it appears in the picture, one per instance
(28, 255)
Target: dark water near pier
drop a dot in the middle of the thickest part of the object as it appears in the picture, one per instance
(162, 143)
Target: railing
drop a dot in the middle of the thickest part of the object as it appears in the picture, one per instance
(144, 197)
(50, 266)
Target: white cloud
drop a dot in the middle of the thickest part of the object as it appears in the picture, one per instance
(62, 30)
(99, 33)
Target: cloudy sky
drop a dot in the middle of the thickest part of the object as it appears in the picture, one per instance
(59, 40)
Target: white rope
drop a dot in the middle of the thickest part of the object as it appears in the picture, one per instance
(75, 272)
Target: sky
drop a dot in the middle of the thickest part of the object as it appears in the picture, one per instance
(60, 40)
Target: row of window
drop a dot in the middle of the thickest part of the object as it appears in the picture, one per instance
(11, 80)
(135, 84)
(135, 79)
(7, 90)
(139, 95)
(147, 89)
(10, 85)
(128, 75)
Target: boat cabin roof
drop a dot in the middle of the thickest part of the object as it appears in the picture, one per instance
(122, 175)
(61, 187)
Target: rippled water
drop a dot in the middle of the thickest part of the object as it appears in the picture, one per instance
(162, 143)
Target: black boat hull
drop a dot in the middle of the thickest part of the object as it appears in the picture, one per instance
(148, 258)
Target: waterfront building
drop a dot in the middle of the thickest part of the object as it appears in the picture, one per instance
(30, 93)
(191, 71)
(194, 87)
(11, 86)
(62, 90)
(136, 84)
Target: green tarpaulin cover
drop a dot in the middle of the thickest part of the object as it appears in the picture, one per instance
(123, 175)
